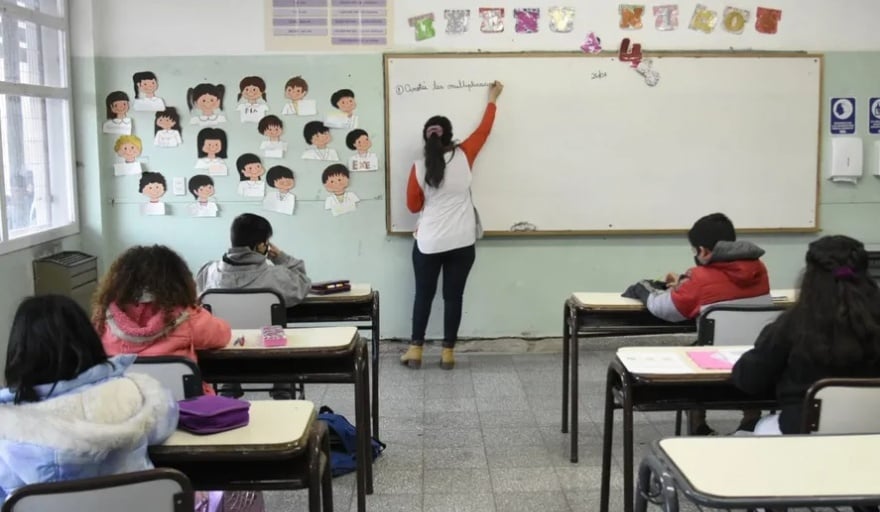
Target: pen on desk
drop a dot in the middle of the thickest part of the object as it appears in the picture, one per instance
(238, 341)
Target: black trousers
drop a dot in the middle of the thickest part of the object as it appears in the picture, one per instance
(456, 265)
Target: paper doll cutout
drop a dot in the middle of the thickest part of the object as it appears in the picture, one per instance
(281, 199)
(344, 117)
(633, 54)
(296, 90)
(592, 44)
(363, 160)
(631, 16)
(703, 20)
(335, 179)
(318, 136)
(128, 148)
(666, 17)
(250, 172)
(491, 20)
(202, 189)
(767, 20)
(272, 128)
(167, 129)
(735, 20)
(153, 186)
(252, 99)
(211, 148)
(118, 122)
(457, 20)
(526, 20)
(424, 25)
(205, 102)
(561, 19)
(145, 86)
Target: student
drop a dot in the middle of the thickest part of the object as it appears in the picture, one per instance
(833, 330)
(726, 270)
(69, 411)
(247, 265)
(439, 190)
(147, 305)
(318, 135)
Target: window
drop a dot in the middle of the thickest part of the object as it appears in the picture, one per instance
(37, 203)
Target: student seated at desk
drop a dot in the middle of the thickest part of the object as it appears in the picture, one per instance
(69, 411)
(147, 305)
(253, 262)
(726, 270)
(833, 330)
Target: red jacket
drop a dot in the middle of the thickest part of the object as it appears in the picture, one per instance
(718, 282)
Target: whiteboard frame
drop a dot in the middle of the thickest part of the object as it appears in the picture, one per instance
(606, 54)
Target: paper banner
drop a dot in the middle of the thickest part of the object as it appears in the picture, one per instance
(423, 25)
(767, 20)
(735, 20)
(561, 19)
(666, 17)
(491, 20)
(631, 16)
(457, 20)
(526, 20)
(703, 20)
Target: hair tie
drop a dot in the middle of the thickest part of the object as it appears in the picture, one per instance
(434, 129)
(843, 272)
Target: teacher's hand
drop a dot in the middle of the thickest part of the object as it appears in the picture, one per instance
(495, 90)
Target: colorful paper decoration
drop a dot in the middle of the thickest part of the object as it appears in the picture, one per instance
(666, 17)
(703, 20)
(645, 69)
(457, 20)
(592, 44)
(631, 16)
(526, 20)
(561, 19)
(632, 54)
(424, 25)
(735, 20)
(767, 20)
(491, 20)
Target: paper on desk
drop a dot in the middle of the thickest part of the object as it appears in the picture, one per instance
(653, 362)
(716, 359)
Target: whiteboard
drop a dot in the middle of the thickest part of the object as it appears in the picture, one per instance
(581, 144)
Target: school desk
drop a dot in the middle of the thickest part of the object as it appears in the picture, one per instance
(282, 447)
(312, 355)
(774, 471)
(671, 382)
(360, 306)
(591, 315)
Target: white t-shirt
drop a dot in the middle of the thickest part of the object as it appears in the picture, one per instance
(250, 188)
(253, 112)
(199, 209)
(118, 126)
(152, 208)
(214, 166)
(127, 169)
(212, 120)
(363, 162)
(273, 148)
(339, 119)
(300, 108)
(167, 139)
(275, 201)
(337, 206)
(154, 104)
(447, 219)
(327, 154)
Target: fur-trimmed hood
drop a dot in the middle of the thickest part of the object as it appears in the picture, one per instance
(142, 323)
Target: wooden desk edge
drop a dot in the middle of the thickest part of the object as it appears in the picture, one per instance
(262, 352)
(338, 299)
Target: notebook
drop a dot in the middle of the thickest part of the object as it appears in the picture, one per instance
(718, 359)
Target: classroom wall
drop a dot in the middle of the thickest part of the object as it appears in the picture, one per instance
(518, 285)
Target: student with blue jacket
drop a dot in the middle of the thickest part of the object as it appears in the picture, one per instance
(69, 411)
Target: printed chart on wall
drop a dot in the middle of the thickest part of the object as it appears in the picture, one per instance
(328, 24)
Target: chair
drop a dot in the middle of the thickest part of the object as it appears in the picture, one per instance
(843, 406)
(178, 374)
(246, 308)
(155, 490)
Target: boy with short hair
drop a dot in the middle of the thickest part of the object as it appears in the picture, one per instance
(317, 134)
(726, 270)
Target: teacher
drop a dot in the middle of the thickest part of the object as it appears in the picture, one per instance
(439, 189)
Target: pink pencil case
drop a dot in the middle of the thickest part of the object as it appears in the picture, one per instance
(273, 336)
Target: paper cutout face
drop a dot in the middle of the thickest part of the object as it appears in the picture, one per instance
(271, 127)
(317, 134)
(336, 179)
(296, 88)
(252, 89)
(363, 144)
(253, 171)
(281, 178)
(152, 185)
(343, 100)
(201, 187)
(337, 183)
(145, 83)
(128, 147)
(211, 143)
(117, 105)
(165, 121)
(206, 100)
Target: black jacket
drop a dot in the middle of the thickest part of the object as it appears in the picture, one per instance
(772, 364)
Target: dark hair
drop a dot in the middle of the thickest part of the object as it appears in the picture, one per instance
(242, 161)
(249, 230)
(276, 173)
(313, 128)
(353, 136)
(252, 80)
(155, 269)
(171, 113)
(111, 99)
(198, 181)
(836, 319)
(334, 170)
(338, 95)
(142, 75)
(297, 81)
(268, 121)
(710, 230)
(148, 177)
(51, 340)
(194, 93)
(211, 134)
(436, 146)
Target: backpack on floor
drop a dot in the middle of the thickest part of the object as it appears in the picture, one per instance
(343, 442)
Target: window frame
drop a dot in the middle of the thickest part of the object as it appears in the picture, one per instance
(43, 92)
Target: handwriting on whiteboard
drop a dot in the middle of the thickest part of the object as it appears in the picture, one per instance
(598, 74)
(434, 85)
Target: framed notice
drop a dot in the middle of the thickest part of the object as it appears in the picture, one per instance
(328, 24)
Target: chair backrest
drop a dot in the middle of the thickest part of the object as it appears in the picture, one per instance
(734, 324)
(843, 406)
(155, 490)
(178, 374)
(246, 308)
